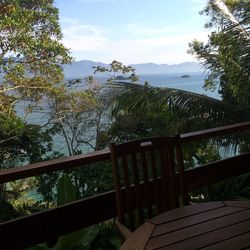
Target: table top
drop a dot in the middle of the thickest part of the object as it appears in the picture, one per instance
(212, 225)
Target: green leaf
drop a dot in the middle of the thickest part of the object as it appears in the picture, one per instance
(80, 239)
(66, 191)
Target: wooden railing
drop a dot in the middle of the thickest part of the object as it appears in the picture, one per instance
(202, 134)
(48, 225)
(218, 170)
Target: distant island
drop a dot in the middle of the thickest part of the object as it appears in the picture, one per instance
(121, 78)
(185, 76)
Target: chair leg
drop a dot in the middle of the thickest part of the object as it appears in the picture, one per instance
(123, 230)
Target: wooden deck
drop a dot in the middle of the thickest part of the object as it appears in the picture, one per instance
(30, 230)
(213, 225)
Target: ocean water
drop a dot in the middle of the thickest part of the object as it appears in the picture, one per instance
(193, 84)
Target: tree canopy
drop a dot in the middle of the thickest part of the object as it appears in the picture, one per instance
(31, 59)
(226, 55)
(117, 70)
(31, 52)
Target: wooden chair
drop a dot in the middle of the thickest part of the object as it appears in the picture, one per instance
(181, 170)
(144, 179)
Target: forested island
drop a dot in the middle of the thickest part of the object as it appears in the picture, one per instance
(185, 76)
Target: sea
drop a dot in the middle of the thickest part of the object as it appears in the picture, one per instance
(194, 83)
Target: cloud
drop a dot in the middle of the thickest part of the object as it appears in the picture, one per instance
(147, 30)
(169, 40)
(134, 43)
(81, 37)
(103, 1)
(160, 49)
(161, 44)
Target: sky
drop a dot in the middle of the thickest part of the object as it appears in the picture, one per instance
(132, 31)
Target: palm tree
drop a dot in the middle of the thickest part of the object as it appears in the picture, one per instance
(196, 111)
(226, 56)
(227, 53)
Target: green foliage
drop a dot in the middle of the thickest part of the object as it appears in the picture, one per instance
(107, 238)
(117, 69)
(7, 211)
(236, 188)
(30, 55)
(180, 111)
(46, 185)
(211, 150)
(95, 178)
(227, 65)
(80, 126)
(22, 142)
(96, 237)
(30, 52)
(226, 55)
(81, 116)
(198, 153)
(101, 236)
(137, 125)
(88, 181)
(66, 191)
(73, 118)
(77, 240)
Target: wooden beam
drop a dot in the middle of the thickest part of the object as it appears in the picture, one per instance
(206, 133)
(39, 168)
(48, 225)
(216, 171)
(16, 173)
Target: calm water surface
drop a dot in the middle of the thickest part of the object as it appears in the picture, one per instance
(192, 84)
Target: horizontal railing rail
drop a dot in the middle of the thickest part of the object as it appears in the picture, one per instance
(216, 171)
(39, 168)
(93, 157)
(50, 224)
(206, 133)
(47, 225)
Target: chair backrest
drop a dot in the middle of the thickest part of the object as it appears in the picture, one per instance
(144, 178)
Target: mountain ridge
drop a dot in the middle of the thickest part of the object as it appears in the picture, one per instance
(84, 68)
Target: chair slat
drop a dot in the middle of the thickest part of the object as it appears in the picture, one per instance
(128, 192)
(155, 182)
(146, 183)
(138, 190)
(117, 184)
(147, 168)
(181, 169)
(163, 163)
(171, 172)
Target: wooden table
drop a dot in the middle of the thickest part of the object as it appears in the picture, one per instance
(212, 225)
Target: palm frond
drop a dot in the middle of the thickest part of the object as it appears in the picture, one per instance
(186, 105)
